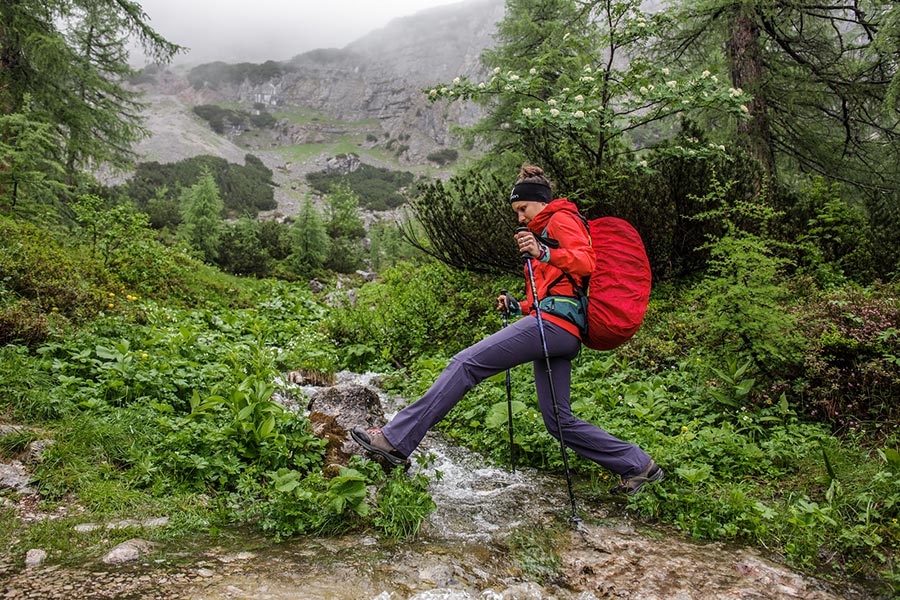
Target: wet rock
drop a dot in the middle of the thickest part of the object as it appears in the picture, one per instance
(14, 477)
(34, 452)
(443, 594)
(122, 524)
(338, 449)
(316, 286)
(309, 377)
(612, 563)
(349, 405)
(237, 557)
(524, 591)
(35, 558)
(128, 551)
(337, 409)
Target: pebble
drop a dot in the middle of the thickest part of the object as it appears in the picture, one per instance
(34, 558)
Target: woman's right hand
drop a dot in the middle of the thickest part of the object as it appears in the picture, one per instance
(508, 304)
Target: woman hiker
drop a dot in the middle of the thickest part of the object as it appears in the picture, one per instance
(546, 220)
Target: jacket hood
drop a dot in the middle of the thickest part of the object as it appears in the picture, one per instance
(539, 222)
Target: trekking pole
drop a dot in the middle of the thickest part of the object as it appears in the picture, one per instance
(540, 320)
(512, 457)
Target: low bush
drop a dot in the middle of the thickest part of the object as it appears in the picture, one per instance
(851, 370)
(444, 156)
(376, 187)
(413, 311)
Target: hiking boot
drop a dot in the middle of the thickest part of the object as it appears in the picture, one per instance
(375, 442)
(633, 485)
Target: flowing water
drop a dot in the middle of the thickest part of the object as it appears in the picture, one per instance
(462, 553)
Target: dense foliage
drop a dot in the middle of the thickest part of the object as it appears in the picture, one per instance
(376, 187)
(155, 187)
(751, 457)
(224, 120)
(625, 125)
(215, 75)
(155, 401)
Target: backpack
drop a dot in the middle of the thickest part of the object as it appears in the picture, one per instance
(618, 289)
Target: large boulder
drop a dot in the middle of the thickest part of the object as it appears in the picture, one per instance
(350, 405)
(333, 411)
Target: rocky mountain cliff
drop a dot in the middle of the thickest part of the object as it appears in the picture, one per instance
(379, 77)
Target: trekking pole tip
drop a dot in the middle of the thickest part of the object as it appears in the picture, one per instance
(578, 524)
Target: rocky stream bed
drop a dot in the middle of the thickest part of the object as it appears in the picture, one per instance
(461, 553)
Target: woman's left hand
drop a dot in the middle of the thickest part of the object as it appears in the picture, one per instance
(528, 244)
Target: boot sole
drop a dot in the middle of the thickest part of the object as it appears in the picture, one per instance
(362, 438)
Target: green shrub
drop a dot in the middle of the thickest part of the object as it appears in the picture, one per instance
(376, 187)
(444, 156)
(40, 277)
(245, 189)
(740, 305)
(851, 370)
(218, 74)
(402, 503)
(414, 310)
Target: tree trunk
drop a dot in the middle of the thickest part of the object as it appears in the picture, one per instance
(747, 72)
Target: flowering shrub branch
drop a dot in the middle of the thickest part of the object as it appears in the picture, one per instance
(598, 104)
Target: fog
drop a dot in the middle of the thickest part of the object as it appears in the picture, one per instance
(260, 30)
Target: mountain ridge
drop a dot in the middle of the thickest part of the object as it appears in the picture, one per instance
(376, 80)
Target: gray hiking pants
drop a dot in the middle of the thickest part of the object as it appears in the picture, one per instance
(518, 343)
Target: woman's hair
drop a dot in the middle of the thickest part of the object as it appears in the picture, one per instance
(532, 174)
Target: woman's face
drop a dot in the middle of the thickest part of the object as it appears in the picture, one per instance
(526, 210)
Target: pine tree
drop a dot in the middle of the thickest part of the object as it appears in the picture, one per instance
(345, 228)
(823, 77)
(309, 239)
(26, 145)
(202, 224)
(68, 60)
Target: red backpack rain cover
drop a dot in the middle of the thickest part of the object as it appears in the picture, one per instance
(619, 289)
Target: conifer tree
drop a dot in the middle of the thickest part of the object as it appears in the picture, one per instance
(309, 239)
(202, 224)
(344, 225)
(823, 76)
(68, 60)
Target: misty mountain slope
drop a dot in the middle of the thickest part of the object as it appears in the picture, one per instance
(434, 45)
(177, 134)
(376, 80)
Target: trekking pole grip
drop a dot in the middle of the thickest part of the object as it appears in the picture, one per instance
(523, 255)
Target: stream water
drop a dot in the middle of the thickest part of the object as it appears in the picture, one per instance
(460, 554)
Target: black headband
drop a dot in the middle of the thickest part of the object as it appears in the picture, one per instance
(536, 192)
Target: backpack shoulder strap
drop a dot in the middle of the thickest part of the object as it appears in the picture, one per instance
(580, 290)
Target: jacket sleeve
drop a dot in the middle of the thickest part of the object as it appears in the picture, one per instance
(574, 255)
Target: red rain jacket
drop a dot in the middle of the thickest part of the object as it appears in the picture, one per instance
(574, 256)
